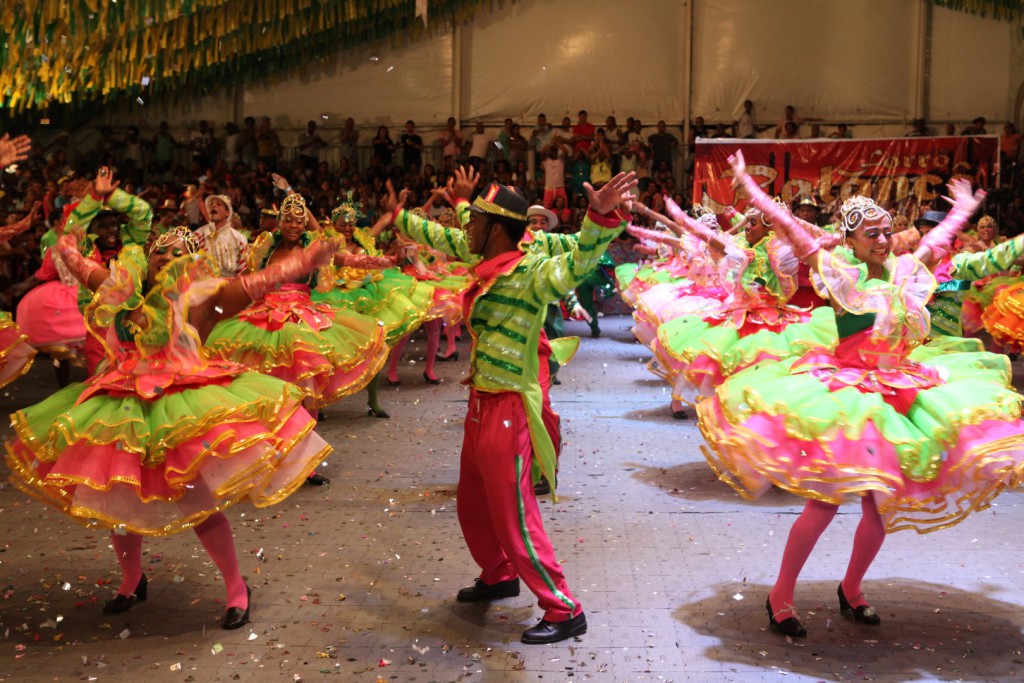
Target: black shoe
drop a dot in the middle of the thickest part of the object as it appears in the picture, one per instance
(553, 631)
(863, 614)
(595, 332)
(542, 487)
(122, 603)
(320, 417)
(680, 415)
(555, 380)
(317, 479)
(378, 412)
(788, 627)
(489, 591)
(236, 617)
(431, 380)
(394, 382)
(453, 356)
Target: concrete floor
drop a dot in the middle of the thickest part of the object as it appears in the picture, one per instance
(356, 582)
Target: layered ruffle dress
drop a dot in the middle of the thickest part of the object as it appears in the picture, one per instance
(698, 288)
(16, 354)
(328, 352)
(161, 436)
(750, 324)
(932, 431)
(50, 315)
(401, 303)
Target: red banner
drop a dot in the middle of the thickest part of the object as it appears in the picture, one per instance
(891, 169)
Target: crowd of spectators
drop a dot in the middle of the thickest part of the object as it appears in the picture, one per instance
(549, 164)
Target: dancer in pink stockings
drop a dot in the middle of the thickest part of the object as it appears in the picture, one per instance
(874, 417)
(163, 438)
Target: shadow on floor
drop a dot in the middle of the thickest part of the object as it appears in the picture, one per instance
(696, 481)
(928, 631)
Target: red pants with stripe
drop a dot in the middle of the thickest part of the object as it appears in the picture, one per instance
(497, 508)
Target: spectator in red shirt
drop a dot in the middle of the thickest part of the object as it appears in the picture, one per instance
(583, 134)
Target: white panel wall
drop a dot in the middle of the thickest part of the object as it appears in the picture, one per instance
(970, 73)
(618, 58)
(854, 61)
(850, 60)
(385, 87)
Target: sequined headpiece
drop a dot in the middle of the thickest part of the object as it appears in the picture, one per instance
(294, 205)
(705, 216)
(348, 210)
(858, 210)
(177, 234)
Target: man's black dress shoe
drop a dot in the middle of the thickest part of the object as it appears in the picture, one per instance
(236, 617)
(489, 591)
(542, 487)
(864, 614)
(122, 603)
(553, 631)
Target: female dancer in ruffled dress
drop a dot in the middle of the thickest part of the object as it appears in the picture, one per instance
(16, 354)
(329, 352)
(752, 322)
(923, 434)
(162, 438)
(398, 301)
(432, 267)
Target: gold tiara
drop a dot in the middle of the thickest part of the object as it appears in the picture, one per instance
(177, 234)
(293, 205)
(858, 209)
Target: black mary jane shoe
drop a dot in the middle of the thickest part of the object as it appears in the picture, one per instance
(122, 603)
(788, 627)
(320, 416)
(480, 591)
(542, 487)
(454, 355)
(680, 415)
(431, 380)
(378, 412)
(862, 614)
(317, 479)
(236, 617)
(554, 631)
(394, 382)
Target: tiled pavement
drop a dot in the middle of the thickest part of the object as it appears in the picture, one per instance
(356, 582)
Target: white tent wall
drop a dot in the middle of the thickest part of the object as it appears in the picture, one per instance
(610, 58)
(864, 62)
(838, 61)
(970, 69)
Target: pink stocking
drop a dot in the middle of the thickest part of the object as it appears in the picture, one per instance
(450, 332)
(129, 555)
(396, 356)
(433, 328)
(215, 535)
(866, 544)
(802, 537)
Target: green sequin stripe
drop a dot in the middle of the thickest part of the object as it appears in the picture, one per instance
(497, 362)
(451, 242)
(418, 229)
(501, 329)
(524, 532)
(89, 215)
(508, 301)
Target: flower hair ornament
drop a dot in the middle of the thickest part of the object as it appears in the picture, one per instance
(348, 210)
(176, 234)
(858, 210)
